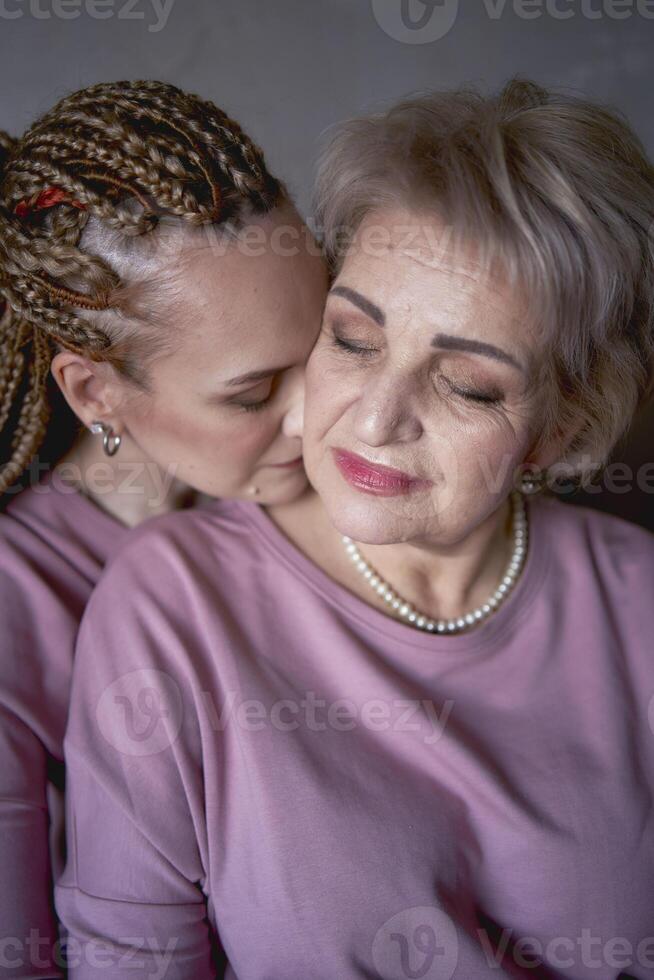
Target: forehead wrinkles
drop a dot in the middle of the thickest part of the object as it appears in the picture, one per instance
(442, 261)
(437, 281)
(431, 245)
(466, 278)
(447, 294)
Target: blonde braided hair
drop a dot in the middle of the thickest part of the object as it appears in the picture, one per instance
(126, 153)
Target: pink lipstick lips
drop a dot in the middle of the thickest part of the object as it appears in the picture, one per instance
(382, 481)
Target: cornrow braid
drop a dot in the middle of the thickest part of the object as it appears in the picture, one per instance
(126, 153)
(7, 143)
(24, 362)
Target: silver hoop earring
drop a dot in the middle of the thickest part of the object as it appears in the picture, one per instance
(110, 441)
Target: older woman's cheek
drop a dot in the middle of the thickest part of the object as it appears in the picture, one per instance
(490, 462)
(323, 396)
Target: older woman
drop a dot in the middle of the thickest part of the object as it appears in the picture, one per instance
(400, 728)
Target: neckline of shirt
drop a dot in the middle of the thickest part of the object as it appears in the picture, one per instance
(490, 632)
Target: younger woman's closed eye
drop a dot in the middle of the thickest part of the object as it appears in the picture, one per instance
(254, 404)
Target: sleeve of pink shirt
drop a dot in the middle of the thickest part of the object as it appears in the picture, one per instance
(132, 896)
(25, 906)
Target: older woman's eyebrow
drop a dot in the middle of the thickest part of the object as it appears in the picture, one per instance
(450, 342)
(445, 340)
(365, 305)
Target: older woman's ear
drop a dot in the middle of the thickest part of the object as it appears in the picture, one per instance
(557, 448)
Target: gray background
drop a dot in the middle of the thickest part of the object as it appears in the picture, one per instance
(287, 69)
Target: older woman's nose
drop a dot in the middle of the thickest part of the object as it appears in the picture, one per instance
(384, 414)
(293, 418)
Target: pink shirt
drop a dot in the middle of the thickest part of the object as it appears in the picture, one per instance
(256, 754)
(53, 545)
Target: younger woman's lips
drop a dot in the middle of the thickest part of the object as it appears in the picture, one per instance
(382, 481)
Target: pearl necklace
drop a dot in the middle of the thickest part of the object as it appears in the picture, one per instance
(420, 620)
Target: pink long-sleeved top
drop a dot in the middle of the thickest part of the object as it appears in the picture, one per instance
(54, 543)
(259, 760)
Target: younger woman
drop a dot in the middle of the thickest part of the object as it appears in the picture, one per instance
(151, 265)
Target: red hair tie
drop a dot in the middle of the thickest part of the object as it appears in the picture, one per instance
(48, 197)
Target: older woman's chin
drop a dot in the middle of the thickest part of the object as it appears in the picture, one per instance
(372, 520)
(379, 514)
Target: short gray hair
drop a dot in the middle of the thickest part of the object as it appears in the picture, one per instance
(555, 190)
